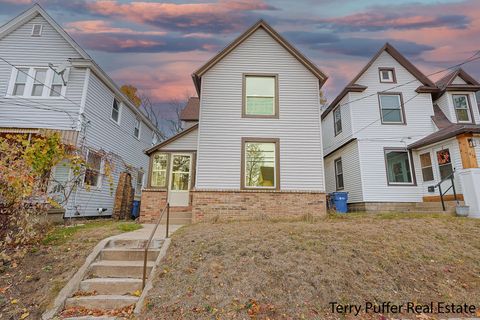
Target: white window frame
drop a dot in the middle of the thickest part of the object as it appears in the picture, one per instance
(339, 111)
(337, 174)
(33, 28)
(100, 173)
(27, 93)
(390, 72)
(119, 104)
(469, 110)
(410, 163)
(430, 166)
(139, 122)
(152, 171)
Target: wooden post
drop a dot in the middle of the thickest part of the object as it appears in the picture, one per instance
(467, 153)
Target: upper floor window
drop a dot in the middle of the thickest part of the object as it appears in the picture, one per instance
(260, 168)
(20, 82)
(38, 82)
(339, 174)
(337, 120)
(37, 30)
(136, 130)
(260, 96)
(154, 138)
(391, 108)
(462, 107)
(116, 111)
(387, 75)
(399, 166)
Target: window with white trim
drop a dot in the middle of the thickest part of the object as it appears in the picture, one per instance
(159, 170)
(339, 174)
(399, 168)
(40, 76)
(387, 75)
(20, 82)
(136, 130)
(37, 30)
(116, 111)
(337, 120)
(93, 172)
(462, 107)
(444, 163)
(37, 82)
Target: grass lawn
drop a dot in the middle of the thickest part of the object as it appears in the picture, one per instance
(292, 270)
(30, 284)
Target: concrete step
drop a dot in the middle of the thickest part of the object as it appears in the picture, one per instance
(117, 286)
(128, 254)
(101, 301)
(118, 269)
(133, 244)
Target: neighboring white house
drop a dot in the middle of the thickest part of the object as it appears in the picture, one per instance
(84, 105)
(392, 134)
(257, 146)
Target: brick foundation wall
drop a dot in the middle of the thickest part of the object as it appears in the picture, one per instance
(152, 203)
(243, 204)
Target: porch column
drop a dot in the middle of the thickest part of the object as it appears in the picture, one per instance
(469, 158)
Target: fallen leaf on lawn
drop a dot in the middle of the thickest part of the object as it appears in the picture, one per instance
(4, 289)
(24, 315)
(14, 301)
(137, 293)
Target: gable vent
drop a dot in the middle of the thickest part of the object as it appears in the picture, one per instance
(36, 30)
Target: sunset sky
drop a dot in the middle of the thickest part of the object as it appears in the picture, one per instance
(156, 45)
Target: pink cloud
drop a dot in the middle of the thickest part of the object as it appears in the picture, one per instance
(101, 26)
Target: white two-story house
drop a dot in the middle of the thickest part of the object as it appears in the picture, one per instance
(47, 81)
(392, 135)
(253, 143)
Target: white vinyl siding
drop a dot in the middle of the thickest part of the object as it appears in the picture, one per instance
(222, 127)
(187, 142)
(352, 177)
(330, 140)
(23, 50)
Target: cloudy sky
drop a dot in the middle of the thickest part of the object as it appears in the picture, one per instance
(156, 45)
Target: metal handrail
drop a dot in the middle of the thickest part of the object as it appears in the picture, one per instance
(450, 177)
(147, 245)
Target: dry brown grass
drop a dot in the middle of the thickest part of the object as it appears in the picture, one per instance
(292, 270)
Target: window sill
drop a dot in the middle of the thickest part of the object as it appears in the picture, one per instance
(34, 97)
(115, 122)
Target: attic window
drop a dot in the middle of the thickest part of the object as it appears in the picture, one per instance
(37, 30)
(387, 75)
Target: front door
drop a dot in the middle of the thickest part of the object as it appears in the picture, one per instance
(444, 166)
(179, 182)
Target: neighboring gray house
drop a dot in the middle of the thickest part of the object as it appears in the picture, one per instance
(85, 106)
(392, 134)
(257, 147)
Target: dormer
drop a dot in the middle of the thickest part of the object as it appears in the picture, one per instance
(456, 97)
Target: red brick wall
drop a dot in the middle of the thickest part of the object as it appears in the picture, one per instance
(153, 201)
(238, 205)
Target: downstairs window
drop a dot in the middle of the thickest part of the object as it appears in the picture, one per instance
(399, 170)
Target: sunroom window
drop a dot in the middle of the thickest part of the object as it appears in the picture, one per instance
(260, 96)
(398, 167)
(159, 170)
(462, 109)
(260, 164)
(391, 108)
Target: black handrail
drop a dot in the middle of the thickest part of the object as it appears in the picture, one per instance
(450, 177)
(147, 245)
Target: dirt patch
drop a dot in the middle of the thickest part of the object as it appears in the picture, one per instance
(293, 270)
(29, 285)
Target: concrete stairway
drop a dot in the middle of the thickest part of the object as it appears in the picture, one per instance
(114, 277)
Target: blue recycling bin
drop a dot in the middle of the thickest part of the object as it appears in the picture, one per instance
(135, 209)
(340, 199)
